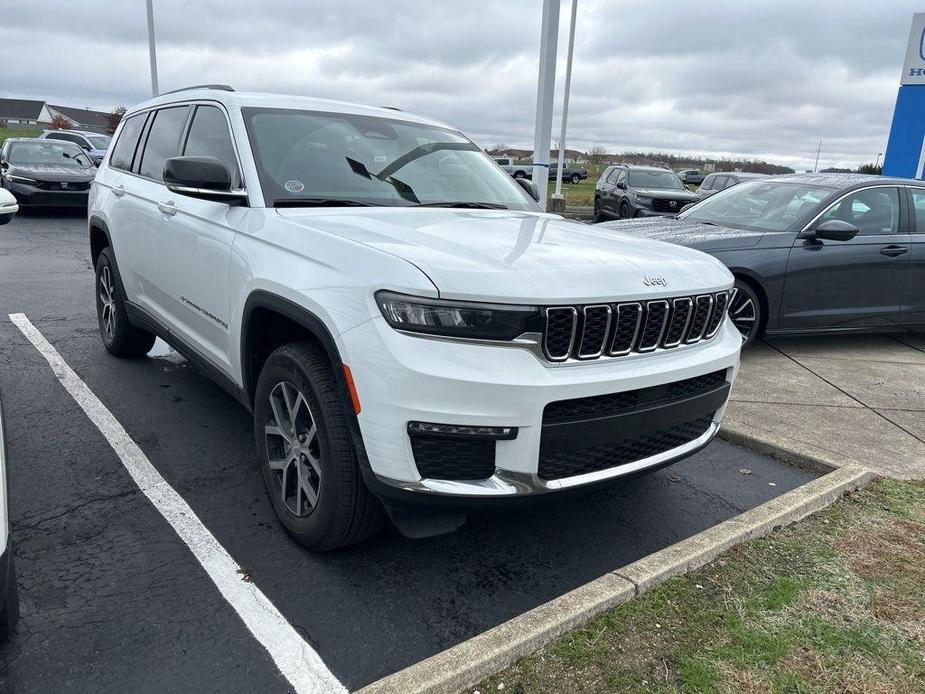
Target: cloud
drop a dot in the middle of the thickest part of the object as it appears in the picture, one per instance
(762, 78)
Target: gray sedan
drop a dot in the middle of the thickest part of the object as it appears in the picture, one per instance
(811, 253)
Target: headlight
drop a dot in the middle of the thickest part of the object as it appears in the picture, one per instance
(20, 179)
(457, 318)
(644, 200)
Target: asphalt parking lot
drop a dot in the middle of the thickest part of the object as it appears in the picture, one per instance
(111, 598)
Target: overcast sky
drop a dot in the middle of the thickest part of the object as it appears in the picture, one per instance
(755, 78)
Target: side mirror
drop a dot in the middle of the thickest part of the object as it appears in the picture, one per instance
(621, 185)
(8, 206)
(201, 177)
(834, 230)
(529, 187)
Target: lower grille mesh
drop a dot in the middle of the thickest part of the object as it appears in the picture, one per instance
(560, 464)
(453, 459)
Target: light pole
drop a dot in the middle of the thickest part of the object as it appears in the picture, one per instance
(568, 85)
(818, 150)
(151, 52)
(545, 91)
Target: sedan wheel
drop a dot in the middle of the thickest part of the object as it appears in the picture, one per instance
(745, 311)
(294, 456)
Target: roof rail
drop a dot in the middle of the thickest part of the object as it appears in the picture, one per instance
(223, 87)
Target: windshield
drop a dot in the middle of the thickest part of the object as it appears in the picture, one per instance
(317, 158)
(667, 180)
(99, 141)
(758, 205)
(48, 153)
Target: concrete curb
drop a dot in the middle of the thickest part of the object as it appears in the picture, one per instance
(469, 662)
(789, 451)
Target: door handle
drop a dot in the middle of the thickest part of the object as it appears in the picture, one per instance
(118, 191)
(893, 251)
(167, 208)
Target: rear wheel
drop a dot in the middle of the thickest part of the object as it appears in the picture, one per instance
(309, 462)
(745, 311)
(598, 209)
(120, 337)
(576, 178)
(519, 174)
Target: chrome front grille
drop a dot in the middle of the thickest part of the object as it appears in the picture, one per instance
(614, 330)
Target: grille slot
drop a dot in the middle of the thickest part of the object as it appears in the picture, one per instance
(453, 459)
(595, 326)
(617, 403)
(560, 332)
(629, 317)
(702, 306)
(680, 317)
(653, 326)
(720, 304)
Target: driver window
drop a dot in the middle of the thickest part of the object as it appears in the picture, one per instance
(872, 211)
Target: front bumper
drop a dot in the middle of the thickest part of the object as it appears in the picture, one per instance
(403, 378)
(28, 195)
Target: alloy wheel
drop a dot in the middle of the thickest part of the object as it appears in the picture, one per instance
(107, 302)
(293, 452)
(743, 313)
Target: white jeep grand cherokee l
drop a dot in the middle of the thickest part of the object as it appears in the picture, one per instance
(412, 334)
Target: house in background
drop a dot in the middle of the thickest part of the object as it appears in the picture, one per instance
(30, 113)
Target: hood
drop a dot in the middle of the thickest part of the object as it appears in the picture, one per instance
(521, 257)
(666, 194)
(704, 237)
(42, 172)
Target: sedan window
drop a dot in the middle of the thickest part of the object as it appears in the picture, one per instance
(759, 206)
(873, 211)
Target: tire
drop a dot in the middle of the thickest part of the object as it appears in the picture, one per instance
(746, 312)
(314, 481)
(9, 607)
(625, 210)
(120, 337)
(598, 210)
(519, 174)
(575, 178)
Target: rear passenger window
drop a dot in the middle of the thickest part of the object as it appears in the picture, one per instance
(124, 149)
(163, 141)
(209, 137)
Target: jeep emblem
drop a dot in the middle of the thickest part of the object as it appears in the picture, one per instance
(655, 280)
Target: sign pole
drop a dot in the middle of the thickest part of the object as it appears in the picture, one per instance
(545, 91)
(568, 86)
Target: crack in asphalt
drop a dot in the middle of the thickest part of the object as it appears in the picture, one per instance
(20, 526)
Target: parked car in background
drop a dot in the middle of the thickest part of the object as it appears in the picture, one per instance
(412, 333)
(94, 144)
(812, 253)
(691, 177)
(515, 170)
(42, 172)
(8, 206)
(625, 191)
(570, 174)
(716, 182)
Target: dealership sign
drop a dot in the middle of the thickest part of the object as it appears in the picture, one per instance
(905, 151)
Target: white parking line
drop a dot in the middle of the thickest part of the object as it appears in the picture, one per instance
(296, 660)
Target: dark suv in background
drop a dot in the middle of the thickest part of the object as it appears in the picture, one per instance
(625, 191)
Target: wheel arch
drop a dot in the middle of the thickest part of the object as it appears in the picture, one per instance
(100, 237)
(754, 281)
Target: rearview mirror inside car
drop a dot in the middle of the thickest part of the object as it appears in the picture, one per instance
(529, 187)
(201, 177)
(835, 230)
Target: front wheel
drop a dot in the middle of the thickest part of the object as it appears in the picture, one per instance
(120, 337)
(625, 210)
(519, 174)
(310, 465)
(745, 311)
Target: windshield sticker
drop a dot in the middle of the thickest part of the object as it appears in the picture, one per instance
(294, 186)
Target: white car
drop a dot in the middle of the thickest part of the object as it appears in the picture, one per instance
(409, 330)
(8, 206)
